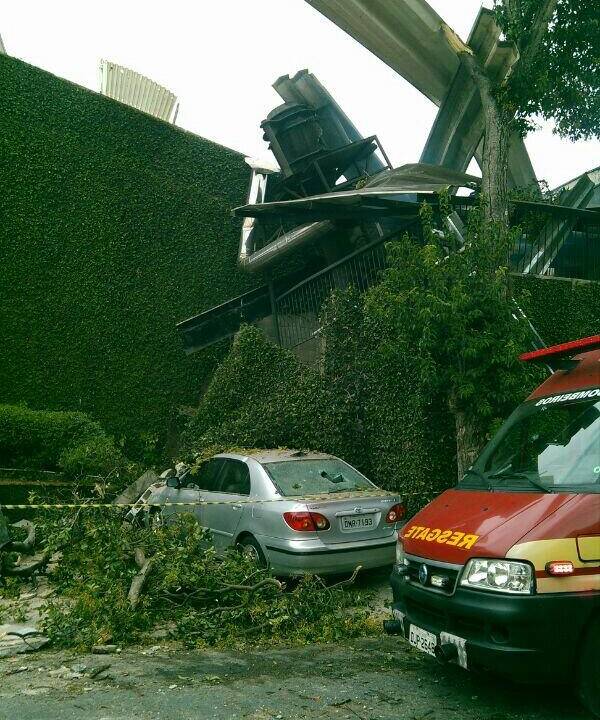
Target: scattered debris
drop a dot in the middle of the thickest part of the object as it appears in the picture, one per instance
(104, 649)
(95, 672)
(18, 638)
(17, 670)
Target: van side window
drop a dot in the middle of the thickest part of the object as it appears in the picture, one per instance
(235, 478)
(208, 474)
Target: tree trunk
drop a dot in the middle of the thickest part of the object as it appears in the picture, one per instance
(494, 170)
(497, 123)
(467, 445)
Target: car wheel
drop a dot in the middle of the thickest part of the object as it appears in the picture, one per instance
(251, 549)
(588, 681)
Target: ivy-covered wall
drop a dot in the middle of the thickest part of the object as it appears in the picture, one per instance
(113, 227)
(561, 309)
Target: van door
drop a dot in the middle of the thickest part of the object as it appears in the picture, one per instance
(231, 502)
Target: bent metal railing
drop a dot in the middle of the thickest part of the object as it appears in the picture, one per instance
(298, 309)
(554, 241)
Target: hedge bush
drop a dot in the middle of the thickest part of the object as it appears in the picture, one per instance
(115, 226)
(369, 412)
(70, 442)
(561, 309)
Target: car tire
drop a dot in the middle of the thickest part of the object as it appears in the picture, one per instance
(249, 546)
(588, 680)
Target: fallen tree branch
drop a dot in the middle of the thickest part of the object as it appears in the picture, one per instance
(138, 582)
(249, 588)
(347, 581)
(200, 593)
(24, 636)
(27, 570)
(25, 546)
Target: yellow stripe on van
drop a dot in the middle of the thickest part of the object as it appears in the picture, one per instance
(589, 547)
(541, 552)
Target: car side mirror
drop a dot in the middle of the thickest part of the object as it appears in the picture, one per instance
(174, 482)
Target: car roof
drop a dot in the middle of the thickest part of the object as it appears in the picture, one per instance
(278, 455)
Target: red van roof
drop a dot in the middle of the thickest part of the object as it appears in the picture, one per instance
(562, 350)
(585, 374)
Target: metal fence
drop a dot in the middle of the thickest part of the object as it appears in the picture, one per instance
(553, 241)
(558, 241)
(299, 308)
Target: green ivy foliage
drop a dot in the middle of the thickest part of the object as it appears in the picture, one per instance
(364, 405)
(261, 396)
(115, 226)
(70, 442)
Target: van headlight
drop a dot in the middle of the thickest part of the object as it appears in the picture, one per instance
(506, 576)
(401, 566)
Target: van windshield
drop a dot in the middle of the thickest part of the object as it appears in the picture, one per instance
(548, 445)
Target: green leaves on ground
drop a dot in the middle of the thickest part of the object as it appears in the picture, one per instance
(200, 598)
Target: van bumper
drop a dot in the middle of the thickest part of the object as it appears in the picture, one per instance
(532, 638)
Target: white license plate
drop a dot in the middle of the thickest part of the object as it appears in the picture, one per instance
(353, 522)
(422, 639)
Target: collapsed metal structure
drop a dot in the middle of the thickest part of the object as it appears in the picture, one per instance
(334, 198)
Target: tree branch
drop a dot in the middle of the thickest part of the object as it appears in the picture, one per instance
(515, 15)
(347, 581)
(539, 28)
(27, 570)
(145, 565)
(24, 546)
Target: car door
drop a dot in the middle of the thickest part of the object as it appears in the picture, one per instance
(230, 498)
(194, 487)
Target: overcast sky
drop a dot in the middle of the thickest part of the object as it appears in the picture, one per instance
(220, 59)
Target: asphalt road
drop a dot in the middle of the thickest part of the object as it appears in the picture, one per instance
(377, 678)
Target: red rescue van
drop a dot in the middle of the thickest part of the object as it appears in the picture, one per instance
(502, 572)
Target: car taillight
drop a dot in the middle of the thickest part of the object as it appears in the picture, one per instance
(395, 513)
(304, 521)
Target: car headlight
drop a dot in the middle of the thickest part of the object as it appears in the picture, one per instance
(506, 576)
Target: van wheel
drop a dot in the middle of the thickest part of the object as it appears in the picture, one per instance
(588, 680)
(251, 549)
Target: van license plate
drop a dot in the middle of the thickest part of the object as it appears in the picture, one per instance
(353, 522)
(422, 639)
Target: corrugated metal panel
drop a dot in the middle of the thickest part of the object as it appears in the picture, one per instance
(131, 88)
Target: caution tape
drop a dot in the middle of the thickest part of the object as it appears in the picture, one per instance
(196, 503)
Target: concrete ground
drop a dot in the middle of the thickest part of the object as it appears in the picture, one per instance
(376, 678)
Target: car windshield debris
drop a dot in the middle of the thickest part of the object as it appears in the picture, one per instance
(316, 477)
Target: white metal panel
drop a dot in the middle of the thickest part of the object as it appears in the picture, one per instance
(405, 34)
(129, 87)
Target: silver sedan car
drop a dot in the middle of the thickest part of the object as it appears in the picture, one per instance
(295, 511)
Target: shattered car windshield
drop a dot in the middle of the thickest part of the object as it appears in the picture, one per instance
(315, 477)
(549, 445)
